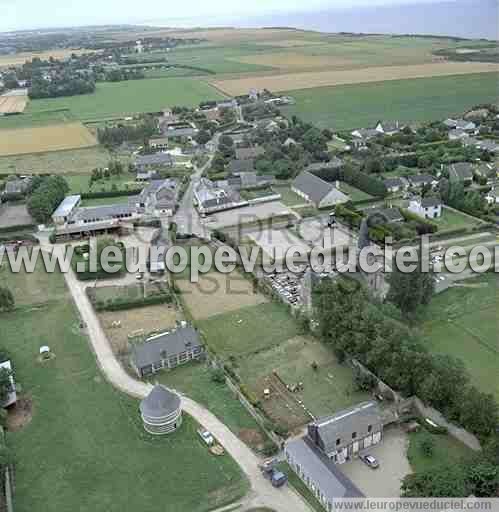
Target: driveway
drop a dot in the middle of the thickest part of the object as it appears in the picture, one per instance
(385, 481)
(262, 493)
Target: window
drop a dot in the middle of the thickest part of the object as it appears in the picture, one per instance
(354, 435)
(338, 441)
(369, 428)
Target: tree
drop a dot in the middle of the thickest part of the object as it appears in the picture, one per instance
(445, 481)
(427, 445)
(7, 301)
(5, 384)
(409, 290)
(479, 411)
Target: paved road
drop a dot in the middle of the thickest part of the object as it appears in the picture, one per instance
(262, 493)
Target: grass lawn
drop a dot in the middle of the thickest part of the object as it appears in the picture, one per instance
(300, 487)
(248, 330)
(80, 183)
(131, 97)
(446, 450)
(361, 105)
(41, 118)
(452, 219)
(288, 197)
(463, 322)
(354, 193)
(99, 201)
(73, 161)
(85, 448)
(195, 381)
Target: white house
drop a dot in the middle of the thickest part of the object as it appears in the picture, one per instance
(428, 208)
(389, 127)
(492, 197)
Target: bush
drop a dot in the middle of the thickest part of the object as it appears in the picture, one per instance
(120, 304)
(17, 227)
(111, 193)
(427, 445)
(269, 449)
(218, 376)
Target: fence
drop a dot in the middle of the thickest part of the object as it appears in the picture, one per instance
(256, 415)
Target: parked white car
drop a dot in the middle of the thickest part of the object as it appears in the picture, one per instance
(206, 436)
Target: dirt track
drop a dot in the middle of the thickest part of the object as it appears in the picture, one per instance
(294, 81)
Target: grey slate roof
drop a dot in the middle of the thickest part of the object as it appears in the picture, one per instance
(393, 182)
(334, 163)
(460, 171)
(245, 153)
(326, 475)
(326, 431)
(312, 186)
(428, 202)
(154, 159)
(160, 402)
(236, 166)
(168, 344)
(66, 206)
(103, 212)
(421, 179)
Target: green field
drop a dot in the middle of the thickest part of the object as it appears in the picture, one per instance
(354, 193)
(85, 448)
(463, 322)
(288, 197)
(195, 381)
(452, 219)
(423, 99)
(41, 118)
(80, 183)
(249, 329)
(130, 97)
(447, 450)
(72, 161)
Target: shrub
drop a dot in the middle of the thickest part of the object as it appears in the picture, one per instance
(218, 376)
(427, 446)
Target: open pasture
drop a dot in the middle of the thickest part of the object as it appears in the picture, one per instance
(47, 138)
(347, 107)
(292, 81)
(17, 59)
(130, 97)
(462, 322)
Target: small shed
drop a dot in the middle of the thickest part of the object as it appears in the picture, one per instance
(161, 411)
(11, 395)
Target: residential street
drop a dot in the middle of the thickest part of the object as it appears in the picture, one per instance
(262, 493)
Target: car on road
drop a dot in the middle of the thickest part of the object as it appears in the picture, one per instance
(370, 460)
(206, 436)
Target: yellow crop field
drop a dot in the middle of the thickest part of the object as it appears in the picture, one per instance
(13, 104)
(16, 59)
(292, 60)
(293, 81)
(41, 139)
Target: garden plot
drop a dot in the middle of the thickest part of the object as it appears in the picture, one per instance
(260, 213)
(119, 325)
(304, 379)
(217, 293)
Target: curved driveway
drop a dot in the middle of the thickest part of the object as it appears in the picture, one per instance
(262, 493)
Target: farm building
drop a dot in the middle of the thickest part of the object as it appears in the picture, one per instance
(247, 153)
(461, 172)
(17, 185)
(389, 127)
(460, 124)
(65, 210)
(238, 166)
(324, 479)
(428, 207)
(180, 129)
(317, 191)
(167, 350)
(154, 161)
(210, 197)
(422, 180)
(159, 198)
(161, 411)
(395, 184)
(388, 214)
(158, 143)
(246, 180)
(334, 163)
(344, 434)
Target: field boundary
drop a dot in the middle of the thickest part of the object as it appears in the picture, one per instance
(310, 80)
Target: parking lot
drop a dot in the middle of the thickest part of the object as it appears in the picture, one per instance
(393, 466)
